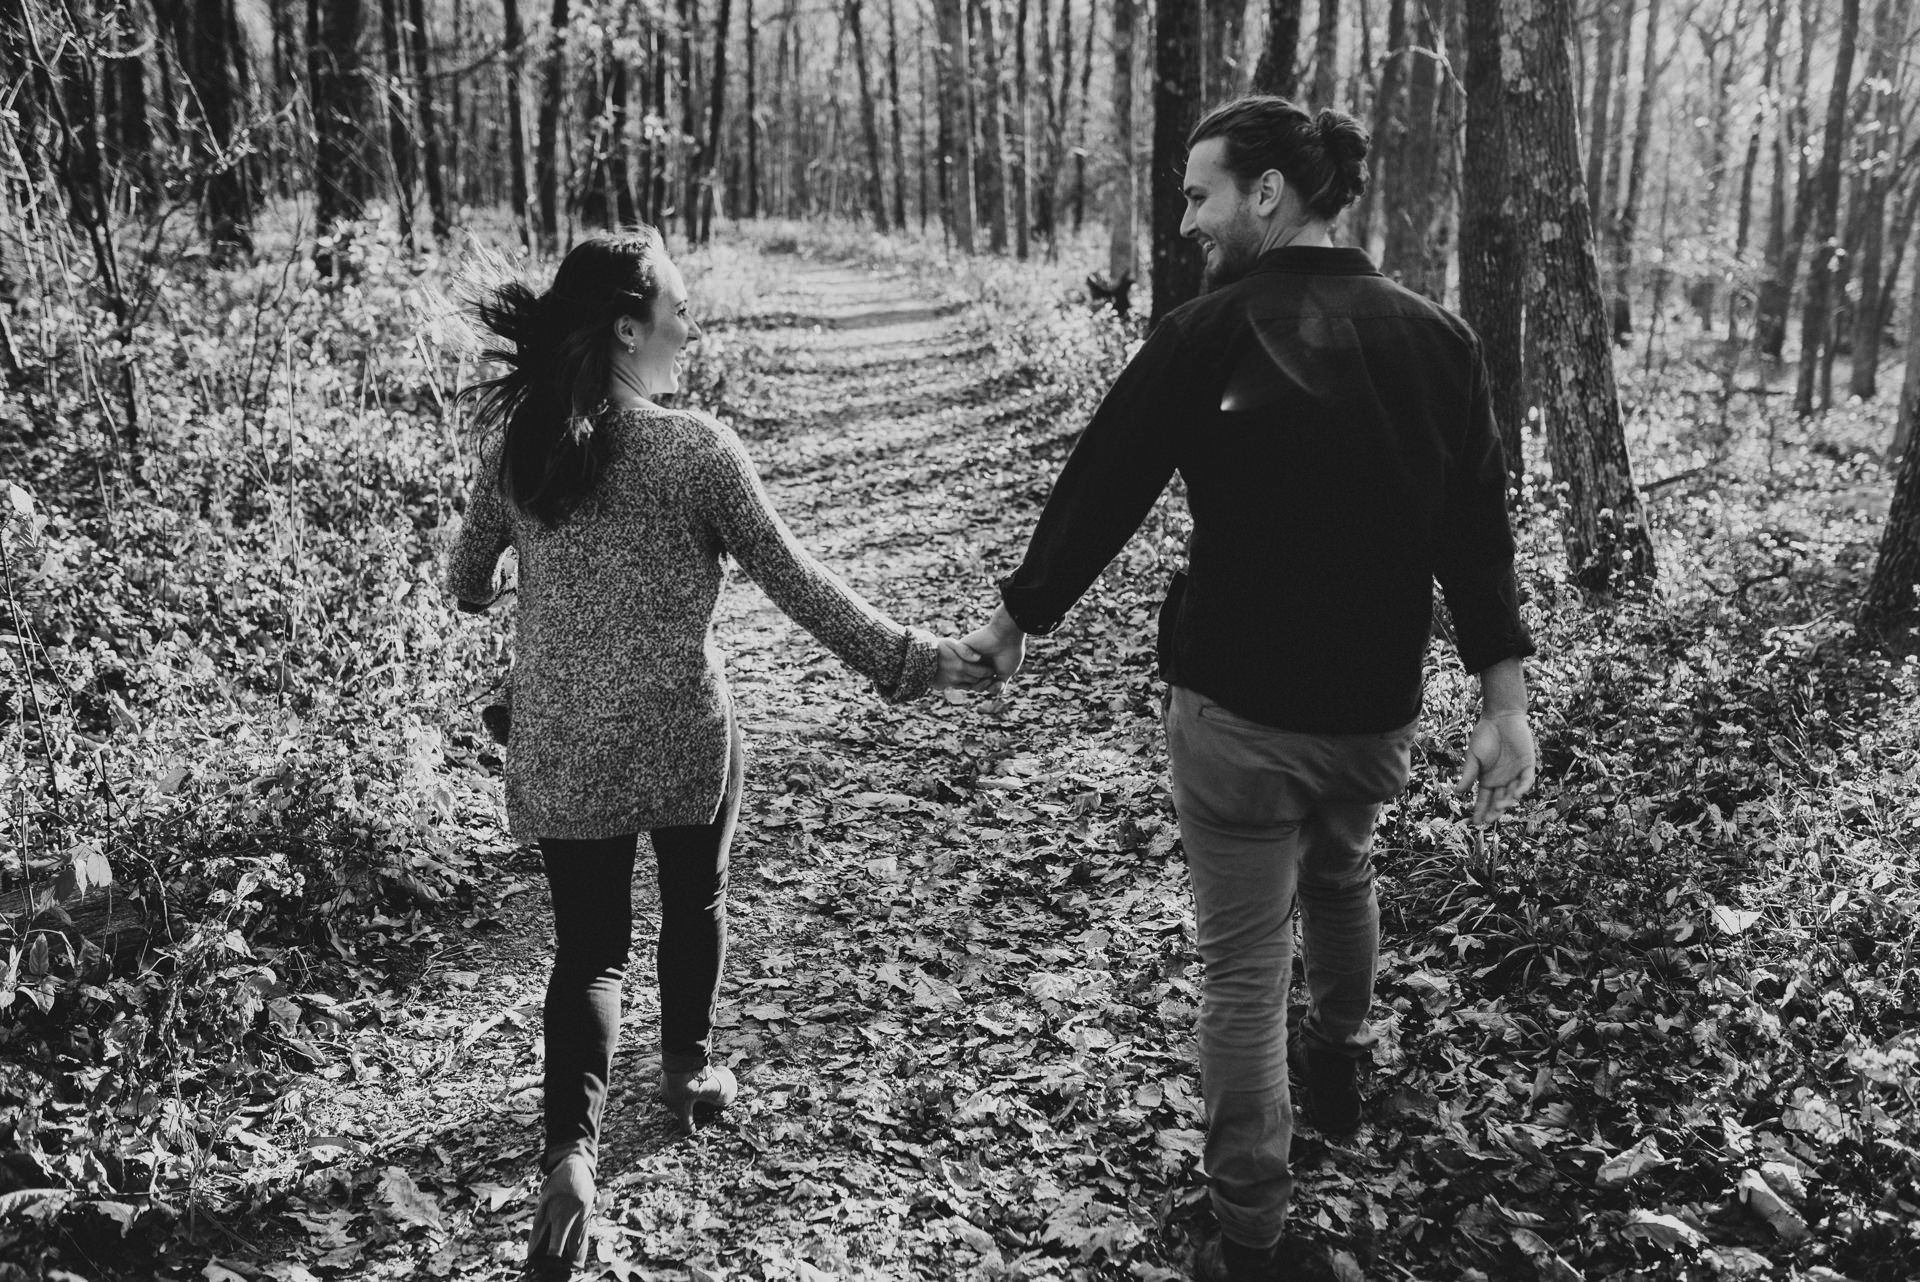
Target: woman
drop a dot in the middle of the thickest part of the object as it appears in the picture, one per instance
(620, 512)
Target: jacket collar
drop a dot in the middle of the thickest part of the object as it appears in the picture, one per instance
(1316, 260)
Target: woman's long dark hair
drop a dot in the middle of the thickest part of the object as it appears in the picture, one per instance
(554, 346)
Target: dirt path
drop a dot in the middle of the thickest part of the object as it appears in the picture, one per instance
(885, 995)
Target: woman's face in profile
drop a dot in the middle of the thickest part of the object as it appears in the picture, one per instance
(664, 338)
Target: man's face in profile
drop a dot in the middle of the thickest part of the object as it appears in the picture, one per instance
(1219, 215)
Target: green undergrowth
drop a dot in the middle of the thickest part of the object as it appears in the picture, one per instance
(1662, 1024)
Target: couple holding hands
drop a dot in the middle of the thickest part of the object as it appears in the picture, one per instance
(1338, 446)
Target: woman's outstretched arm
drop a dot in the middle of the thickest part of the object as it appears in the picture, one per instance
(902, 662)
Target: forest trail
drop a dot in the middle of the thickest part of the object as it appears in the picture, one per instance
(850, 947)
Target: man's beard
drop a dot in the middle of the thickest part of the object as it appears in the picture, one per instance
(1227, 264)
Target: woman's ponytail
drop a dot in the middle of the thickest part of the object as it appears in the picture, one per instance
(554, 349)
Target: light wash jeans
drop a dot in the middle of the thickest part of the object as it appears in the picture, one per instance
(1267, 817)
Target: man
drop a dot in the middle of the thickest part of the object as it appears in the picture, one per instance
(1340, 455)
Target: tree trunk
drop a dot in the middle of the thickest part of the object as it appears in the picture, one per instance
(869, 121)
(1783, 245)
(546, 170)
(1177, 262)
(1816, 320)
(516, 116)
(1326, 56)
(1598, 131)
(1273, 73)
(619, 173)
(1889, 603)
(1492, 274)
(1053, 127)
(1608, 548)
(1086, 107)
(400, 146)
(956, 157)
(993, 125)
(431, 167)
(717, 114)
(893, 111)
(334, 76)
(1022, 193)
(1626, 226)
(1617, 126)
(214, 65)
(1126, 187)
(1220, 74)
(752, 192)
(1390, 140)
(1743, 231)
(1877, 170)
(691, 160)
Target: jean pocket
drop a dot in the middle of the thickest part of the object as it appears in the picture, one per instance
(1221, 716)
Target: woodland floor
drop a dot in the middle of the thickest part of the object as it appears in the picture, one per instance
(961, 988)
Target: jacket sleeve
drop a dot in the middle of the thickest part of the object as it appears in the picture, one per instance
(1122, 461)
(901, 662)
(1474, 551)
(485, 532)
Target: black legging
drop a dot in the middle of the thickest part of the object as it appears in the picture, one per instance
(592, 887)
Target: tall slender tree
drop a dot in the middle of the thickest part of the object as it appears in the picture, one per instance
(869, 126)
(1326, 55)
(1608, 548)
(340, 178)
(1121, 251)
(951, 65)
(1273, 73)
(1177, 40)
(1492, 272)
(1598, 123)
(1890, 601)
(993, 125)
(546, 161)
(400, 148)
(1878, 150)
(1817, 319)
(431, 167)
(893, 112)
(716, 118)
(512, 70)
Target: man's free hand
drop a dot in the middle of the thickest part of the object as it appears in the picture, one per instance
(962, 667)
(1000, 642)
(1499, 765)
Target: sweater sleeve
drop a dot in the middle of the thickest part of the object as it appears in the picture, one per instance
(1118, 467)
(1474, 561)
(901, 662)
(485, 533)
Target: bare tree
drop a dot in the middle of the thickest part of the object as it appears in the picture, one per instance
(1608, 548)
(993, 126)
(400, 149)
(956, 157)
(341, 181)
(546, 168)
(1326, 55)
(893, 110)
(1816, 320)
(431, 167)
(1220, 69)
(516, 115)
(1273, 73)
(1491, 253)
(1126, 188)
(1177, 38)
(716, 116)
(869, 126)
(1890, 601)
(1875, 164)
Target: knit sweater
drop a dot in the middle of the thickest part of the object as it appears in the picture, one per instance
(620, 704)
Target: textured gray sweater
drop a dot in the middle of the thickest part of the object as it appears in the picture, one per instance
(620, 705)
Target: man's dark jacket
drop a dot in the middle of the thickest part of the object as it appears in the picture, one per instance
(1340, 455)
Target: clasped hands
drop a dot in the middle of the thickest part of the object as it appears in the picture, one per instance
(985, 657)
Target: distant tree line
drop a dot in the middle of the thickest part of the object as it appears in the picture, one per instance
(1568, 178)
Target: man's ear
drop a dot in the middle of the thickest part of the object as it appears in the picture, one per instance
(1267, 195)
